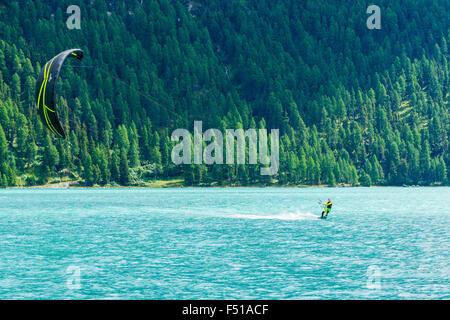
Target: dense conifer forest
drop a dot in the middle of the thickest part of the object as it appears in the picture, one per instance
(354, 106)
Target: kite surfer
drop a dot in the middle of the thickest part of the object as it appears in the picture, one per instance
(327, 209)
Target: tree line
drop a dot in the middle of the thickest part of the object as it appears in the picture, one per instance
(354, 106)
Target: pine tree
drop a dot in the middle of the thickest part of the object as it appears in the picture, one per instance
(124, 169)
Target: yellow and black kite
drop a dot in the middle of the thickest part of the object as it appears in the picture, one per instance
(45, 90)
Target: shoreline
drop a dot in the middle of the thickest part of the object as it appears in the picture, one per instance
(178, 183)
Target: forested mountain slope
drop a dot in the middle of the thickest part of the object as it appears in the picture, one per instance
(353, 105)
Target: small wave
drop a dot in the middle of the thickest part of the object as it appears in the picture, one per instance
(281, 216)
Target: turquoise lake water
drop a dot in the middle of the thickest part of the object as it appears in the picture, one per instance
(240, 243)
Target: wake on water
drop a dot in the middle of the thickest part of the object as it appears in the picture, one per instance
(298, 215)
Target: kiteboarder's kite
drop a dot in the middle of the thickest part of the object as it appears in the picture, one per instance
(45, 90)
